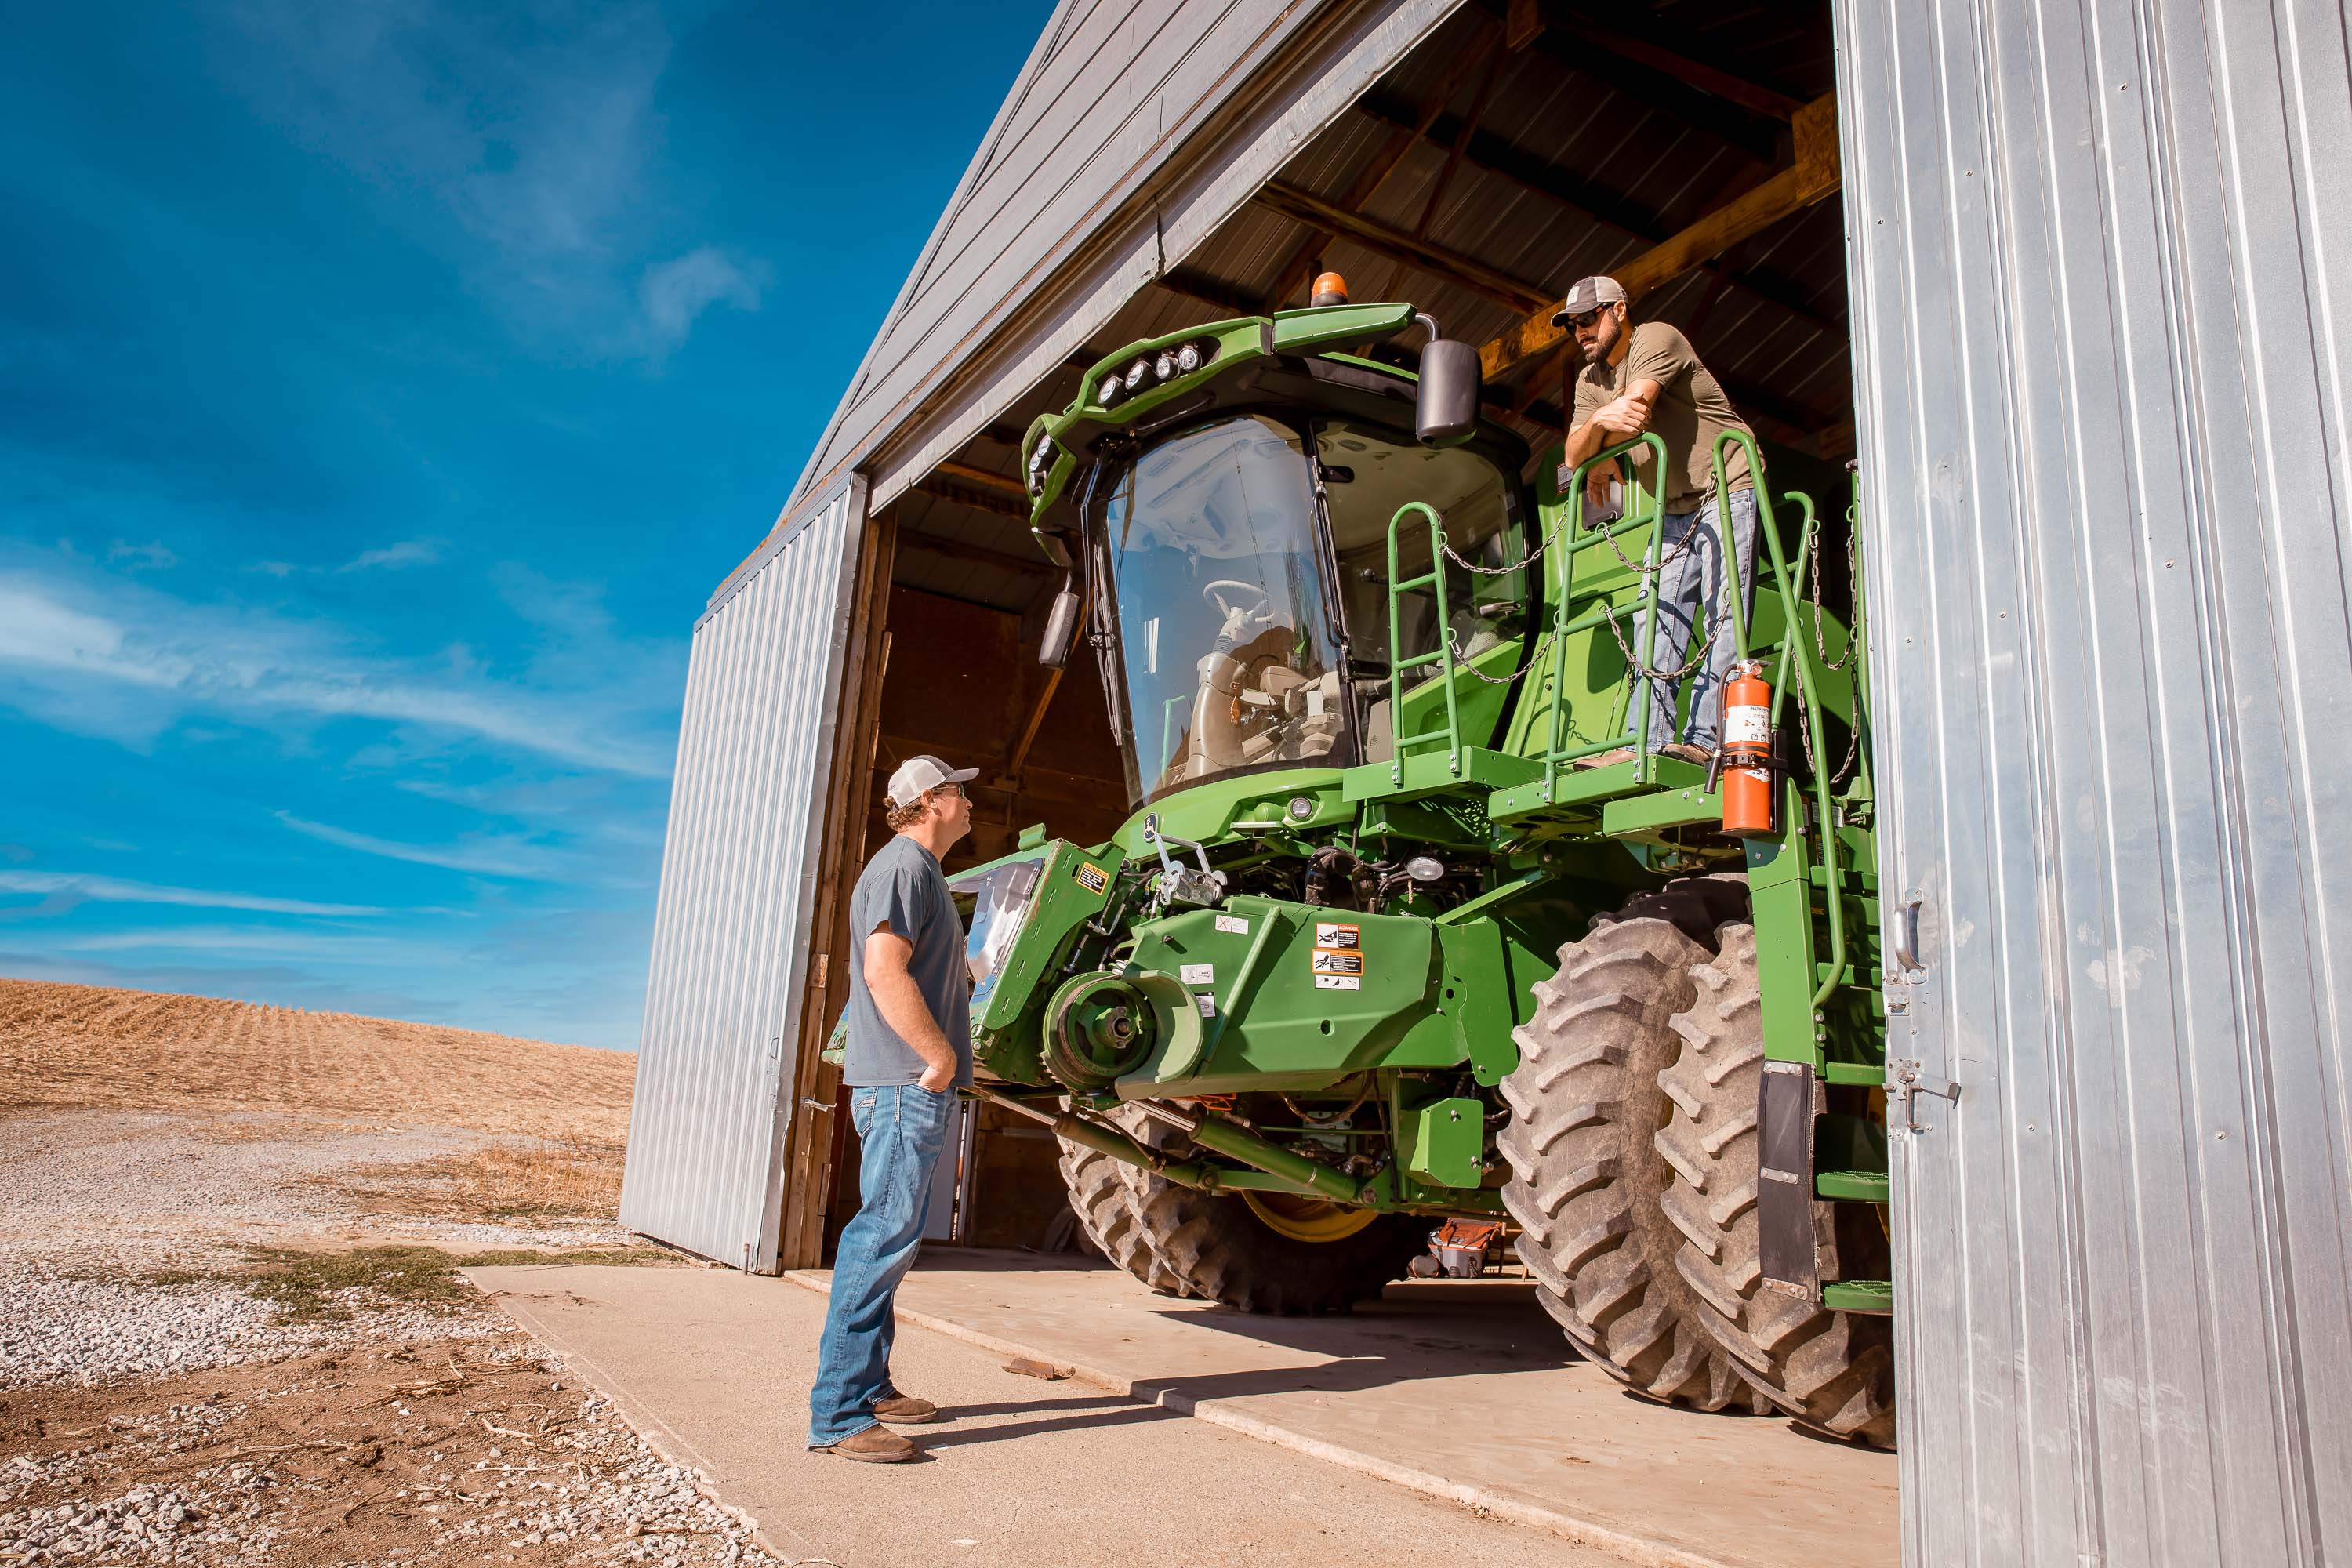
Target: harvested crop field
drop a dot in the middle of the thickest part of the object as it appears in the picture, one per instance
(231, 1325)
(84, 1046)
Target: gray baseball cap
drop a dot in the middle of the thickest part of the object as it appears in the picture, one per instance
(918, 776)
(1589, 294)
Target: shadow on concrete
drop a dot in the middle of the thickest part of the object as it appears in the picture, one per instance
(1122, 1413)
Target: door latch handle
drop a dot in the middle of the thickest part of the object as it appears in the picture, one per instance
(816, 1105)
(1908, 1080)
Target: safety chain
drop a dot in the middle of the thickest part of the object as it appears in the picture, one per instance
(1460, 659)
(1821, 645)
(1805, 731)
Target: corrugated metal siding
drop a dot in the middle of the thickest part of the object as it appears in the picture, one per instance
(730, 944)
(1042, 229)
(2100, 287)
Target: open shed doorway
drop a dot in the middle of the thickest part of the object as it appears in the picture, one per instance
(959, 679)
(1687, 147)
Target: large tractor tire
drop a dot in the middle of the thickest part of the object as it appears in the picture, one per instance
(1834, 1372)
(1105, 1212)
(1586, 1177)
(1259, 1252)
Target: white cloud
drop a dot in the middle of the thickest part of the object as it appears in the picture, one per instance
(340, 946)
(273, 568)
(495, 855)
(407, 552)
(115, 890)
(128, 661)
(675, 293)
(533, 129)
(154, 556)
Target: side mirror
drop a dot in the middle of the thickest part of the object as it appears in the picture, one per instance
(1060, 627)
(1445, 408)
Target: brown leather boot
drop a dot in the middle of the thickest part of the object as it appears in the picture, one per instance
(903, 1411)
(875, 1446)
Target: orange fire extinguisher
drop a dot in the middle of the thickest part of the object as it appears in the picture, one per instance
(1746, 752)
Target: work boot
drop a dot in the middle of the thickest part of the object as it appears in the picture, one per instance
(901, 1411)
(875, 1446)
(1697, 756)
(1607, 759)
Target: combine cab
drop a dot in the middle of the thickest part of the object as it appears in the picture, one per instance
(1373, 953)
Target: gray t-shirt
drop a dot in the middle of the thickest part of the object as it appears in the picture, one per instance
(903, 887)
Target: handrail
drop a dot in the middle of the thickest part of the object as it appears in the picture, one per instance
(1556, 750)
(1441, 656)
(1799, 650)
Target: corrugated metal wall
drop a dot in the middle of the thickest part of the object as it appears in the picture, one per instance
(2102, 266)
(730, 942)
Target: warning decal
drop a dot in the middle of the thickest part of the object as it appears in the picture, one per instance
(1338, 959)
(1093, 879)
(1233, 925)
(1198, 974)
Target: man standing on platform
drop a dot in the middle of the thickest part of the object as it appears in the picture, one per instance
(909, 1047)
(1647, 378)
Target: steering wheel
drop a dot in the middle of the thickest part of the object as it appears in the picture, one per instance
(1259, 604)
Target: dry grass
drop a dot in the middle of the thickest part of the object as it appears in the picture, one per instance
(308, 1286)
(546, 1178)
(139, 1050)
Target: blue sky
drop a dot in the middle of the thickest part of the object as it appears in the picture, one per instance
(384, 387)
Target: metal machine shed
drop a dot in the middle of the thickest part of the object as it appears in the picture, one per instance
(2077, 312)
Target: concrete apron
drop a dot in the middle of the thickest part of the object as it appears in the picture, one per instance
(1461, 1392)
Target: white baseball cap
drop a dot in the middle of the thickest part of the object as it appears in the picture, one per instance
(918, 776)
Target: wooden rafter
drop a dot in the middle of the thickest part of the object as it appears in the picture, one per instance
(1382, 239)
(1734, 124)
(1812, 177)
(1754, 96)
(966, 554)
(1494, 155)
(984, 479)
(1409, 130)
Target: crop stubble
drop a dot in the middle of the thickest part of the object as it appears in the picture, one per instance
(141, 1050)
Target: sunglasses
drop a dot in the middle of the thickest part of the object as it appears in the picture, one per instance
(1581, 323)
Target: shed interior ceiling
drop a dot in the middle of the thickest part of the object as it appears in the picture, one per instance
(1540, 143)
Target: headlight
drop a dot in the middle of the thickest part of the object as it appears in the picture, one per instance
(1164, 367)
(1112, 391)
(1136, 374)
(1192, 356)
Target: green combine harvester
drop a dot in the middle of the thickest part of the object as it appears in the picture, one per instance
(1373, 956)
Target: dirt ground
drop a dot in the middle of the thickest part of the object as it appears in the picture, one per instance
(135, 1050)
(231, 1330)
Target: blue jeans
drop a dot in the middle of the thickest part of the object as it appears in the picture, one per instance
(1694, 578)
(901, 1127)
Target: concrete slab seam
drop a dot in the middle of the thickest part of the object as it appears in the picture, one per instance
(656, 1434)
(1638, 1551)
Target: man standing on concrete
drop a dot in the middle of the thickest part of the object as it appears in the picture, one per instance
(909, 1047)
(1648, 378)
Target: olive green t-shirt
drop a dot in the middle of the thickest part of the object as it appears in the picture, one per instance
(1691, 411)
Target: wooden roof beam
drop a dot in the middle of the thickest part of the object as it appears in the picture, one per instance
(1494, 155)
(1754, 132)
(1812, 177)
(966, 554)
(1408, 131)
(1590, 26)
(1383, 240)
